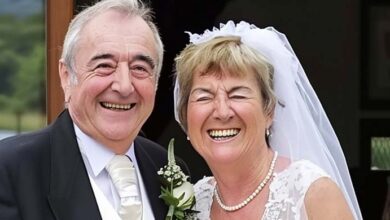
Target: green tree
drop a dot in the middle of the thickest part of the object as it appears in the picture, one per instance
(27, 85)
(22, 69)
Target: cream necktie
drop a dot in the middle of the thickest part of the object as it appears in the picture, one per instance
(124, 177)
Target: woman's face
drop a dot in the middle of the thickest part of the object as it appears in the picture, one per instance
(225, 117)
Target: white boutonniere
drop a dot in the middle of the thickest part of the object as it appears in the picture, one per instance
(176, 191)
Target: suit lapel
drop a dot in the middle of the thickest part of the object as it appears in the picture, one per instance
(148, 167)
(71, 195)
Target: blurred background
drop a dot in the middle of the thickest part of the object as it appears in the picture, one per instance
(343, 45)
(22, 66)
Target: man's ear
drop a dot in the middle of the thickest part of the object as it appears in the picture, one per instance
(65, 78)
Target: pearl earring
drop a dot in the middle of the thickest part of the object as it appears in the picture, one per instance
(267, 133)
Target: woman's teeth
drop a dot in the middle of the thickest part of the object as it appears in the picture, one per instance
(223, 134)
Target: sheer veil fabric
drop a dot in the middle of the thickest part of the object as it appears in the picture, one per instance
(301, 129)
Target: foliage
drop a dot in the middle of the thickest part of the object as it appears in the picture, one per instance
(380, 153)
(22, 52)
(176, 191)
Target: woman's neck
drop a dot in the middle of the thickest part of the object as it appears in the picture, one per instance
(237, 181)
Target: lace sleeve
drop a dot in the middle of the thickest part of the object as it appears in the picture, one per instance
(204, 190)
(288, 190)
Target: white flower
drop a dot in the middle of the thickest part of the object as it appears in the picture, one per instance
(188, 191)
(176, 192)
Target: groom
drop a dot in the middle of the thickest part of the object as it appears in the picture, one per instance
(110, 65)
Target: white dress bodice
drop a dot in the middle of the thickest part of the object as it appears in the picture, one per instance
(286, 197)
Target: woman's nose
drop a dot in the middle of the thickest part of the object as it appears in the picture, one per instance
(223, 110)
(123, 82)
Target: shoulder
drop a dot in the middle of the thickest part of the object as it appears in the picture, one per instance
(306, 167)
(294, 180)
(24, 158)
(24, 146)
(325, 200)
(32, 146)
(301, 174)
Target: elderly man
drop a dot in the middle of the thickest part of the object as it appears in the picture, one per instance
(111, 60)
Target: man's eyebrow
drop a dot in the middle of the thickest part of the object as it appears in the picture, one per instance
(99, 57)
(146, 59)
(102, 56)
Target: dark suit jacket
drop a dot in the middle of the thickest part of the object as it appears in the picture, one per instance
(42, 175)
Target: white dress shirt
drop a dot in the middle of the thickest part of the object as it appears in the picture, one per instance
(96, 156)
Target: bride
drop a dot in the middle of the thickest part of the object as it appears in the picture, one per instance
(245, 102)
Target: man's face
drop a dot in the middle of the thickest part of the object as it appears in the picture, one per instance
(115, 63)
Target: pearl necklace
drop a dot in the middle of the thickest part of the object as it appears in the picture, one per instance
(253, 195)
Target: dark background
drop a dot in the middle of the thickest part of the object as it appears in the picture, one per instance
(331, 40)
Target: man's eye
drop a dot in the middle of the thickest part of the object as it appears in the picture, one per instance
(104, 69)
(103, 65)
(140, 68)
(140, 71)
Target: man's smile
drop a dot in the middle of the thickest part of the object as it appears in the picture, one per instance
(115, 106)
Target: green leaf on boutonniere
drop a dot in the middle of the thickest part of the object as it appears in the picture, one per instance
(176, 191)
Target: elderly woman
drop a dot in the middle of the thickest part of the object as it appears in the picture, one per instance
(248, 109)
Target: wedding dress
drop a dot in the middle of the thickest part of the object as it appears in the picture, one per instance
(286, 196)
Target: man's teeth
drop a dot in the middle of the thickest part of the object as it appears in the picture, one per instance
(222, 134)
(117, 106)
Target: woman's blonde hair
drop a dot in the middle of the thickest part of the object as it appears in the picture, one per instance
(222, 56)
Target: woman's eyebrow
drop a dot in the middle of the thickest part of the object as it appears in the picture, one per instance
(238, 88)
(200, 89)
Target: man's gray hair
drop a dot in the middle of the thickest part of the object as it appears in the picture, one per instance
(132, 7)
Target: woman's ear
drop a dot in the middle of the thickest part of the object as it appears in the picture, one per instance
(270, 119)
(65, 78)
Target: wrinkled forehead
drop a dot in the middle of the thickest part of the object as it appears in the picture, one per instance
(119, 31)
(117, 45)
(118, 42)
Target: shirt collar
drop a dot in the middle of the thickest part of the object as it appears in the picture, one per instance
(97, 155)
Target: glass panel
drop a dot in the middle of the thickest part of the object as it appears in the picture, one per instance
(380, 153)
(22, 66)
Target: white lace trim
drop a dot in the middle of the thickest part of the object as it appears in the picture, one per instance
(287, 192)
(241, 29)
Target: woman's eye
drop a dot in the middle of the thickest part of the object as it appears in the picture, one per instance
(204, 98)
(237, 97)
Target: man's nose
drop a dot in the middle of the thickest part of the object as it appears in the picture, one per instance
(222, 109)
(123, 82)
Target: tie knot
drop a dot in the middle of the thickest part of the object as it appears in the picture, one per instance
(122, 173)
(119, 162)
